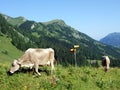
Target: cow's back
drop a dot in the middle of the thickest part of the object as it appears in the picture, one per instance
(41, 56)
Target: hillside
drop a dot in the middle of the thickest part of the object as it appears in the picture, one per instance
(58, 35)
(112, 39)
(8, 52)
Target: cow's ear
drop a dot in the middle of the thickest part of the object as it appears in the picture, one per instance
(14, 63)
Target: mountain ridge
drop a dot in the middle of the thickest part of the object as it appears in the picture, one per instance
(112, 39)
(14, 21)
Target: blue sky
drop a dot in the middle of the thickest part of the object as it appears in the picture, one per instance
(96, 18)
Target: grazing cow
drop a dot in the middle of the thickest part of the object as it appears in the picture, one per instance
(106, 62)
(34, 58)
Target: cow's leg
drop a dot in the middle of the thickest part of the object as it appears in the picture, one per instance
(107, 66)
(36, 69)
(52, 67)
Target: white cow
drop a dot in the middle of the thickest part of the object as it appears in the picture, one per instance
(34, 57)
(106, 62)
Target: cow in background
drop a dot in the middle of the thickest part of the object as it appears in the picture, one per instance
(33, 58)
(106, 63)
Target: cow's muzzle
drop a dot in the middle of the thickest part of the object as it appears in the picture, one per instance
(9, 73)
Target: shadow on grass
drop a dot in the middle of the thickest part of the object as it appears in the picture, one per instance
(30, 71)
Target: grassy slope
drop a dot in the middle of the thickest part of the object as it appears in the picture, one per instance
(7, 51)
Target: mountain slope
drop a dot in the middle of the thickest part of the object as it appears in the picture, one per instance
(112, 39)
(59, 36)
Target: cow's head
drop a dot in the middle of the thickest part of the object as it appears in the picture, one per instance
(14, 67)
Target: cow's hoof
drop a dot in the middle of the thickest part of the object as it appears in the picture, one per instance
(36, 76)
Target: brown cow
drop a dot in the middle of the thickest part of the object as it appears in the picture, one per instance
(105, 62)
(34, 58)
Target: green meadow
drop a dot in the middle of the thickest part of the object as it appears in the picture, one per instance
(64, 78)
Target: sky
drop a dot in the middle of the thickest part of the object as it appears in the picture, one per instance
(96, 18)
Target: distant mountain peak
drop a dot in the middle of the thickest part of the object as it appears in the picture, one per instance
(55, 21)
(5, 16)
(112, 39)
(114, 34)
(9, 18)
(21, 18)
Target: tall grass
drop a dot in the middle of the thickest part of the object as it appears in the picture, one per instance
(64, 78)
